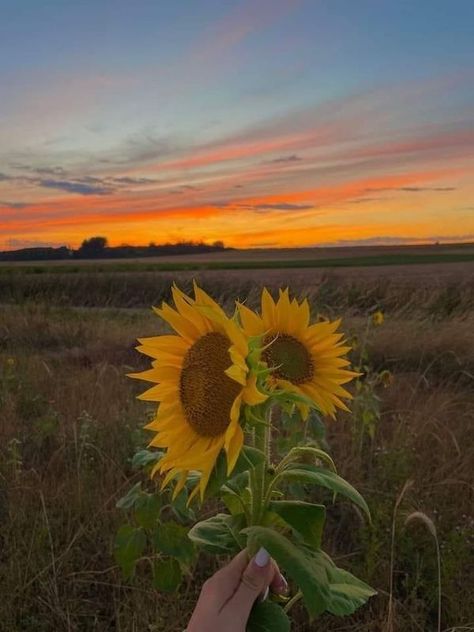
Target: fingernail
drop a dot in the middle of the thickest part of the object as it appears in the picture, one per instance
(262, 558)
(282, 586)
(264, 595)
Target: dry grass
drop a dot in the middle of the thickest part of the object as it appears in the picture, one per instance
(70, 423)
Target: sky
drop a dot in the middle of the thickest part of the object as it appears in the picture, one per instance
(262, 123)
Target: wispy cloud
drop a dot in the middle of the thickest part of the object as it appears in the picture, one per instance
(80, 185)
(338, 157)
(422, 189)
(285, 159)
(281, 206)
(14, 205)
(82, 188)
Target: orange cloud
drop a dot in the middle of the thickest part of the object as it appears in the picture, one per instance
(339, 192)
(295, 217)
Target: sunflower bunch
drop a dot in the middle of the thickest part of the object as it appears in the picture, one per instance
(224, 387)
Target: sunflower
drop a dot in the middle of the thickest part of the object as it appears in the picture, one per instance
(378, 318)
(202, 381)
(303, 358)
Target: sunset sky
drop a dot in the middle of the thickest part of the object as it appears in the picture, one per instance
(258, 122)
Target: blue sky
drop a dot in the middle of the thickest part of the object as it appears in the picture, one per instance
(179, 117)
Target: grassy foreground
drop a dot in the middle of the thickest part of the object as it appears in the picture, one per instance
(70, 423)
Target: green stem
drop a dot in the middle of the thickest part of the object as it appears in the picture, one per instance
(258, 476)
(296, 597)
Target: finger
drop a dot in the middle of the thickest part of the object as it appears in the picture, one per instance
(223, 584)
(232, 572)
(255, 579)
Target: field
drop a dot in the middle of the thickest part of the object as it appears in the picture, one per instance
(70, 424)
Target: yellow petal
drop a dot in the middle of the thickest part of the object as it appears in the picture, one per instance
(158, 393)
(155, 469)
(323, 329)
(203, 483)
(181, 325)
(282, 312)
(234, 441)
(251, 322)
(158, 374)
(268, 311)
(304, 314)
(189, 312)
(193, 494)
(237, 358)
(204, 299)
(237, 337)
(330, 387)
(148, 375)
(167, 344)
(235, 410)
(250, 394)
(236, 374)
(169, 476)
(180, 484)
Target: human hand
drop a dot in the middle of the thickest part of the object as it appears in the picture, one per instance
(227, 598)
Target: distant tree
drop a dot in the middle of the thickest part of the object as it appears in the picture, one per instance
(218, 244)
(93, 247)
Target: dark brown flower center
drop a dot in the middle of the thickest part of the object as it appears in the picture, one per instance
(289, 357)
(206, 392)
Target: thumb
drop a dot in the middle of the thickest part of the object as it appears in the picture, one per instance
(254, 581)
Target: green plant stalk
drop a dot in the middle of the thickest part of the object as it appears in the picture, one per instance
(258, 478)
(296, 597)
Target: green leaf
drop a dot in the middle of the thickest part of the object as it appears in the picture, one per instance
(292, 397)
(167, 575)
(347, 598)
(249, 458)
(323, 584)
(180, 508)
(145, 457)
(236, 493)
(237, 484)
(129, 545)
(298, 563)
(172, 539)
(309, 453)
(312, 475)
(130, 498)
(317, 429)
(219, 534)
(347, 592)
(147, 510)
(273, 520)
(268, 617)
(233, 502)
(305, 518)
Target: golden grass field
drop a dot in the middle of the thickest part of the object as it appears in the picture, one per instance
(70, 423)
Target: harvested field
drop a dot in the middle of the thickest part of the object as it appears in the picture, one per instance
(70, 424)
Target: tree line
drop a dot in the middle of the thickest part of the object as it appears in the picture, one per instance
(98, 248)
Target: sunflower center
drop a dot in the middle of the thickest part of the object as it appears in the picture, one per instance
(289, 357)
(205, 391)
